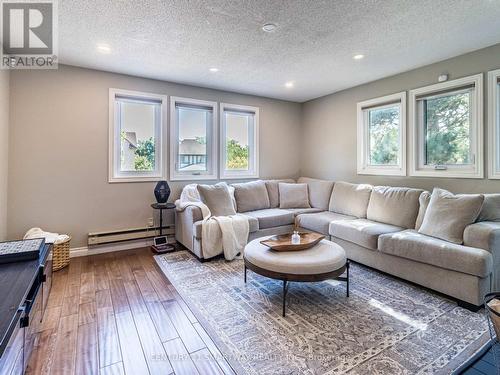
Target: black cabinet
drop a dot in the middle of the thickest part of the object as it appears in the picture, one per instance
(20, 325)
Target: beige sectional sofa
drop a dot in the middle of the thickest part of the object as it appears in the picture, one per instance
(378, 227)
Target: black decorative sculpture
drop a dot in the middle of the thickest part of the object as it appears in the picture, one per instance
(162, 192)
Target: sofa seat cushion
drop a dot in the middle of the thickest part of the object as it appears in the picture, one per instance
(412, 245)
(362, 232)
(300, 211)
(272, 217)
(320, 222)
(253, 226)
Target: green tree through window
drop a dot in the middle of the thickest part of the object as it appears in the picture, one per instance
(237, 155)
(144, 159)
(447, 129)
(384, 136)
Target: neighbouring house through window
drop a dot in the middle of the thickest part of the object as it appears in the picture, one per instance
(135, 136)
(193, 141)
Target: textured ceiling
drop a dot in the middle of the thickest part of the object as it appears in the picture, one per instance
(313, 45)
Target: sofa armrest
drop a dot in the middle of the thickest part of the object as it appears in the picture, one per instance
(486, 235)
(184, 220)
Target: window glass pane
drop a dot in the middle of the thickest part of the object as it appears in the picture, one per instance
(238, 130)
(447, 129)
(383, 127)
(193, 126)
(137, 136)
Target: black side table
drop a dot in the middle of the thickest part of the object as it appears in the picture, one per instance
(165, 247)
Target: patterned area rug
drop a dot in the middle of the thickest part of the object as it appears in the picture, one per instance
(386, 326)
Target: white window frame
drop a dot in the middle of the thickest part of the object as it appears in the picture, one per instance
(493, 125)
(211, 174)
(417, 168)
(114, 141)
(253, 171)
(363, 140)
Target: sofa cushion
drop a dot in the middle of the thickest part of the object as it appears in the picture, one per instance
(253, 226)
(491, 208)
(272, 217)
(251, 196)
(423, 202)
(299, 211)
(394, 205)
(293, 195)
(447, 215)
(320, 191)
(412, 245)
(273, 191)
(320, 222)
(350, 199)
(362, 232)
(217, 198)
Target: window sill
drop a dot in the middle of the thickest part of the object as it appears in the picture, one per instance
(382, 171)
(193, 177)
(446, 174)
(115, 180)
(238, 176)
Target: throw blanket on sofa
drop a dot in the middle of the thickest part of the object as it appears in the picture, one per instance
(229, 233)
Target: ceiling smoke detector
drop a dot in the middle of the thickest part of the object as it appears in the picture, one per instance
(269, 27)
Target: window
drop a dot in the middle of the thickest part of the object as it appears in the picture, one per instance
(382, 135)
(494, 123)
(446, 128)
(135, 136)
(239, 141)
(193, 150)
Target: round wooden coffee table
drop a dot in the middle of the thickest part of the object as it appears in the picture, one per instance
(324, 261)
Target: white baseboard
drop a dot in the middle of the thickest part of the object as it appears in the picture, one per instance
(101, 249)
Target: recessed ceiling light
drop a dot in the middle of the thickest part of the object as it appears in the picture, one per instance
(269, 27)
(214, 70)
(358, 57)
(103, 48)
(289, 84)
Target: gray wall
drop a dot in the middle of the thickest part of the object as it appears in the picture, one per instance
(4, 149)
(329, 125)
(58, 176)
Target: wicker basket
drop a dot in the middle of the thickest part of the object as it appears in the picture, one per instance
(60, 255)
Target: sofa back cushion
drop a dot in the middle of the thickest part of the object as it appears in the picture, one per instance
(217, 198)
(394, 205)
(273, 191)
(320, 191)
(491, 208)
(447, 215)
(423, 201)
(350, 199)
(251, 196)
(293, 195)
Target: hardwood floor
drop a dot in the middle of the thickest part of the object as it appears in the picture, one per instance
(486, 365)
(116, 313)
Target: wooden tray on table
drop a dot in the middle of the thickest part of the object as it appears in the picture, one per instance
(283, 242)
